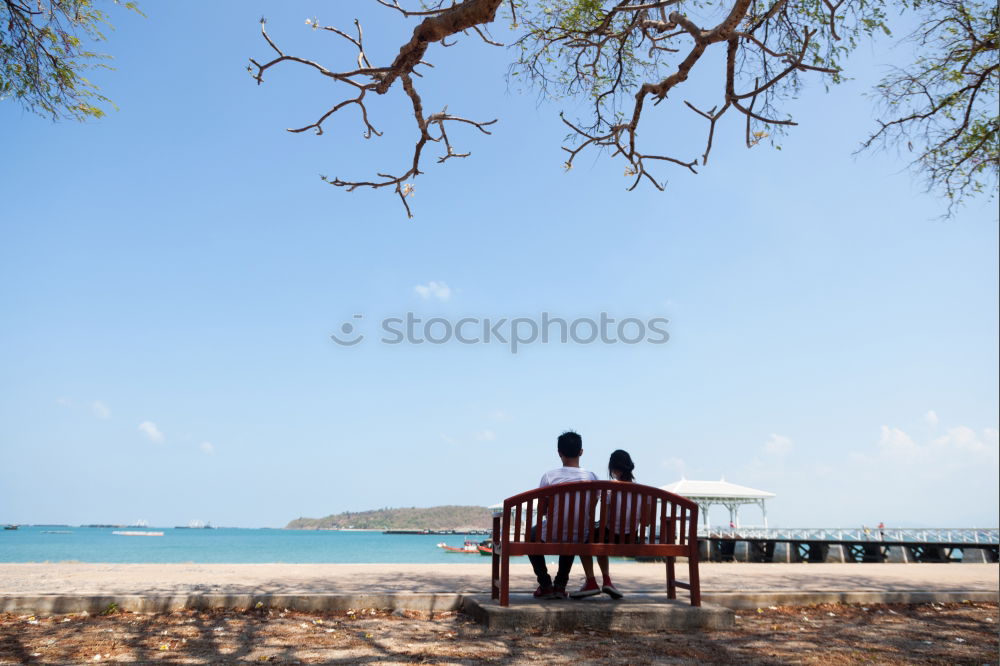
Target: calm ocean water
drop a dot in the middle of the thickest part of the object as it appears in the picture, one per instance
(90, 544)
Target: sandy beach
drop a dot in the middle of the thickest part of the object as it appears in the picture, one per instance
(959, 631)
(68, 578)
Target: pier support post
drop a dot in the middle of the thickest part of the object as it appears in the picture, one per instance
(761, 551)
(975, 556)
(704, 550)
(898, 554)
(835, 553)
(724, 551)
(782, 552)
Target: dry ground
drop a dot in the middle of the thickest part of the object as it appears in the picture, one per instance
(960, 633)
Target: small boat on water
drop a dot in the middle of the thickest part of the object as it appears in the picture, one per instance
(469, 547)
(10, 527)
(136, 533)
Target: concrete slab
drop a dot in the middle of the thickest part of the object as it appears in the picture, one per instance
(56, 604)
(51, 604)
(750, 600)
(637, 613)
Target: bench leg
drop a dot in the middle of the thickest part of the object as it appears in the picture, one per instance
(671, 578)
(504, 580)
(694, 581)
(495, 577)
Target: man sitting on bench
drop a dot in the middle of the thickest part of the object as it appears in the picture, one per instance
(570, 448)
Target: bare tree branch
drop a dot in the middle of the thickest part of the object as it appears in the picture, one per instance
(437, 24)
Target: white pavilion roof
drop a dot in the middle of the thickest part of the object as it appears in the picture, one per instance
(721, 489)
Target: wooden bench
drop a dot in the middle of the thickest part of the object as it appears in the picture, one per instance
(580, 516)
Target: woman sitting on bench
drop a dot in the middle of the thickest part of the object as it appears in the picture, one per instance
(620, 468)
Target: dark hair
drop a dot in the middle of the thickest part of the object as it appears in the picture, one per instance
(621, 462)
(570, 444)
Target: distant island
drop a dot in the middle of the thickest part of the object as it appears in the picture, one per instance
(458, 518)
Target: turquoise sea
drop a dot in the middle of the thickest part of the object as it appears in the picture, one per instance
(91, 544)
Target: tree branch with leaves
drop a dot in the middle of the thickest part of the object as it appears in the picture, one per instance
(621, 57)
(943, 107)
(44, 53)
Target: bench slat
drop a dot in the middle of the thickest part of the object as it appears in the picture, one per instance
(529, 514)
(517, 520)
(610, 549)
(659, 516)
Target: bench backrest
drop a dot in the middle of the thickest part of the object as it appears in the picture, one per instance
(600, 512)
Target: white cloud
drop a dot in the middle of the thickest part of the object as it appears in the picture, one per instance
(778, 445)
(64, 402)
(931, 419)
(958, 447)
(964, 438)
(911, 470)
(149, 429)
(907, 476)
(101, 410)
(675, 466)
(207, 447)
(894, 442)
(486, 435)
(432, 289)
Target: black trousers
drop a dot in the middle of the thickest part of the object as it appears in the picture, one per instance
(542, 571)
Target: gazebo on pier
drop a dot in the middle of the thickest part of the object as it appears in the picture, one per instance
(729, 495)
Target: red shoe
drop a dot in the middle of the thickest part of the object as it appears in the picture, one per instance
(545, 593)
(609, 589)
(589, 589)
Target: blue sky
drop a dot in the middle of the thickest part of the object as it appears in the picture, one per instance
(170, 276)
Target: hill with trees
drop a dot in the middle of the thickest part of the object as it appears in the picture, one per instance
(432, 518)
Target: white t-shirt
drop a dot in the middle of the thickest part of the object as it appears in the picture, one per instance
(612, 520)
(567, 475)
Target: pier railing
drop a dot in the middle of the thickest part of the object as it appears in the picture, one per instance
(951, 535)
